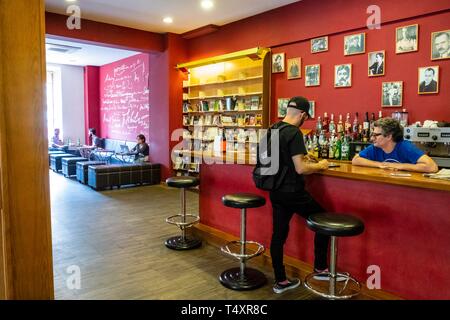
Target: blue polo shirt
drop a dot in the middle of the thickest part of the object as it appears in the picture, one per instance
(404, 152)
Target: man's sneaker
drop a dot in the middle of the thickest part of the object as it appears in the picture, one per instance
(292, 284)
(325, 277)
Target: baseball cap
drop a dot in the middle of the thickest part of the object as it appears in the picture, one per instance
(299, 103)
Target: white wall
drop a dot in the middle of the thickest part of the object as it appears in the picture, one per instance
(72, 86)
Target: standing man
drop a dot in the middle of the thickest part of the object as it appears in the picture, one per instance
(291, 197)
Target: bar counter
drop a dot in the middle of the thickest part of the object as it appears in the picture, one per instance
(407, 222)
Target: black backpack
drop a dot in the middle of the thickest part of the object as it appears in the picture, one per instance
(264, 177)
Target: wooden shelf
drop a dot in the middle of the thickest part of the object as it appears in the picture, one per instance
(223, 82)
(226, 95)
(223, 111)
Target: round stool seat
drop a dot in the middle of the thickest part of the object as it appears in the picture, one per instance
(243, 200)
(183, 182)
(335, 224)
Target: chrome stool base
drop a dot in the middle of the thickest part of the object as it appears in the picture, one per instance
(178, 243)
(252, 279)
(336, 292)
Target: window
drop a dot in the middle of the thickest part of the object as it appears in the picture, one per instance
(54, 101)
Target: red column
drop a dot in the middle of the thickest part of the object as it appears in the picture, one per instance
(91, 100)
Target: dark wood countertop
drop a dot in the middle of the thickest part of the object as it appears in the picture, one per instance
(351, 172)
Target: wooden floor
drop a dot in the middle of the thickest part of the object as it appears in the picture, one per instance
(117, 237)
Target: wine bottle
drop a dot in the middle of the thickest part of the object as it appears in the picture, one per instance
(355, 127)
(325, 122)
(337, 149)
(332, 125)
(319, 125)
(366, 126)
(340, 125)
(345, 149)
(348, 125)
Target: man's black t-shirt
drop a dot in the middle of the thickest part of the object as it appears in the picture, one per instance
(291, 144)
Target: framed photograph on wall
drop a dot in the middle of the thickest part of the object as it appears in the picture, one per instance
(392, 94)
(377, 63)
(312, 109)
(312, 75)
(282, 107)
(343, 75)
(428, 80)
(294, 68)
(319, 44)
(354, 44)
(407, 39)
(440, 45)
(278, 62)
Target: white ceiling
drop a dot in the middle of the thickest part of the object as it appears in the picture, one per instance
(148, 14)
(87, 55)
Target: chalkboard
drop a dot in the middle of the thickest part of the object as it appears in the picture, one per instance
(124, 93)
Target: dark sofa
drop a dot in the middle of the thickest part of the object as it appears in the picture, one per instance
(113, 175)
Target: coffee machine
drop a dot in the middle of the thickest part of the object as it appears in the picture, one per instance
(435, 142)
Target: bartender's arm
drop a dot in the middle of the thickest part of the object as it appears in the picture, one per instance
(304, 167)
(424, 164)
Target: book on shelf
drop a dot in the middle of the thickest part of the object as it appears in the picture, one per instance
(240, 105)
(216, 120)
(204, 106)
(259, 119)
(255, 103)
(228, 120)
(250, 119)
(240, 120)
(208, 120)
(186, 120)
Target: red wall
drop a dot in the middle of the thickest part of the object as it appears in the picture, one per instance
(124, 98)
(290, 28)
(166, 100)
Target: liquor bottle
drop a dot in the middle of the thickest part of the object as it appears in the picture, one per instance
(331, 146)
(366, 128)
(309, 144)
(78, 142)
(319, 125)
(332, 125)
(315, 147)
(340, 125)
(380, 114)
(345, 149)
(324, 148)
(325, 122)
(337, 149)
(372, 123)
(348, 125)
(355, 127)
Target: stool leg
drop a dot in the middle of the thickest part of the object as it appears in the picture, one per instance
(183, 212)
(243, 239)
(333, 263)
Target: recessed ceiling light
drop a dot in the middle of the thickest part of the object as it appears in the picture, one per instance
(168, 20)
(207, 4)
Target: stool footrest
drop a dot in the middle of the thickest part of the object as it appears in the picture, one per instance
(342, 288)
(178, 220)
(238, 255)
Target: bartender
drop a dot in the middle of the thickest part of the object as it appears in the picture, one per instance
(390, 151)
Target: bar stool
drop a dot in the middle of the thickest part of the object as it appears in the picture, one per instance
(183, 220)
(243, 278)
(334, 225)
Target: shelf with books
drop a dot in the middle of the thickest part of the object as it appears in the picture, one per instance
(226, 97)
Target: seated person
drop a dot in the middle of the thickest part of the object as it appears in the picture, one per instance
(96, 141)
(141, 150)
(390, 151)
(56, 141)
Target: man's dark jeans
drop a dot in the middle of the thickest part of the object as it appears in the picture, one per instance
(284, 205)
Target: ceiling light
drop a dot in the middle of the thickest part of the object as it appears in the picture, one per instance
(168, 20)
(207, 4)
